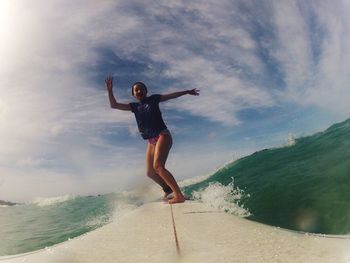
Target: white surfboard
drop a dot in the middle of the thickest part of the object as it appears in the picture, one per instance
(204, 235)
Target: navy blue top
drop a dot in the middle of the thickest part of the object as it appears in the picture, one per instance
(148, 116)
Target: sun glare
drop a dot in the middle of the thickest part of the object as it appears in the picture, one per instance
(5, 14)
(8, 17)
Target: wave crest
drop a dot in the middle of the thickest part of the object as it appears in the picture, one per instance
(42, 201)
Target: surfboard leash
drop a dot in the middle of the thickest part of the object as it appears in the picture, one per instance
(175, 234)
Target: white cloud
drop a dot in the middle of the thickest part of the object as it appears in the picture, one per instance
(30, 162)
(331, 84)
(292, 50)
(314, 56)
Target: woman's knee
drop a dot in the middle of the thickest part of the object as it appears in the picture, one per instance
(158, 167)
(150, 173)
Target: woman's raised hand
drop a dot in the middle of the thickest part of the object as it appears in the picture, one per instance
(109, 82)
(193, 92)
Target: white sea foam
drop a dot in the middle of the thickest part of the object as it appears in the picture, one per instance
(42, 201)
(224, 198)
(128, 200)
(98, 221)
(143, 194)
(122, 209)
(291, 141)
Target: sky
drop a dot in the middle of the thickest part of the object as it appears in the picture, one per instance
(266, 70)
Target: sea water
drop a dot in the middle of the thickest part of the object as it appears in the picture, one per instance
(46, 222)
(301, 186)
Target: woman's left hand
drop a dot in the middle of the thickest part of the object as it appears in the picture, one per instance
(193, 92)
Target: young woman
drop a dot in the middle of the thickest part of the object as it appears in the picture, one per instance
(152, 128)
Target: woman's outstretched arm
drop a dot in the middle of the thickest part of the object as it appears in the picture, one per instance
(112, 100)
(175, 95)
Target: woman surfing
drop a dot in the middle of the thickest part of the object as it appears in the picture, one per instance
(153, 129)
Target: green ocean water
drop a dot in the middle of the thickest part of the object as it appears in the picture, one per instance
(33, 226)
(304, 186)
(49, 221)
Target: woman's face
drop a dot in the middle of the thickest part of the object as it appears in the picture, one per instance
(139, 92)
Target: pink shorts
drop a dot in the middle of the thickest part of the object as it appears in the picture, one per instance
(154, 140)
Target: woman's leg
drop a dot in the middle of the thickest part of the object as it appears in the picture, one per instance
(162, 149)
(151, 173)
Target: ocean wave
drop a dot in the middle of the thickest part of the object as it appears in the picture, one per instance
(302, 186)
(47, 201)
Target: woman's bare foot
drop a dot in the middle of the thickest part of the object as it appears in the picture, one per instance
(177, 199)
(166, 199)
